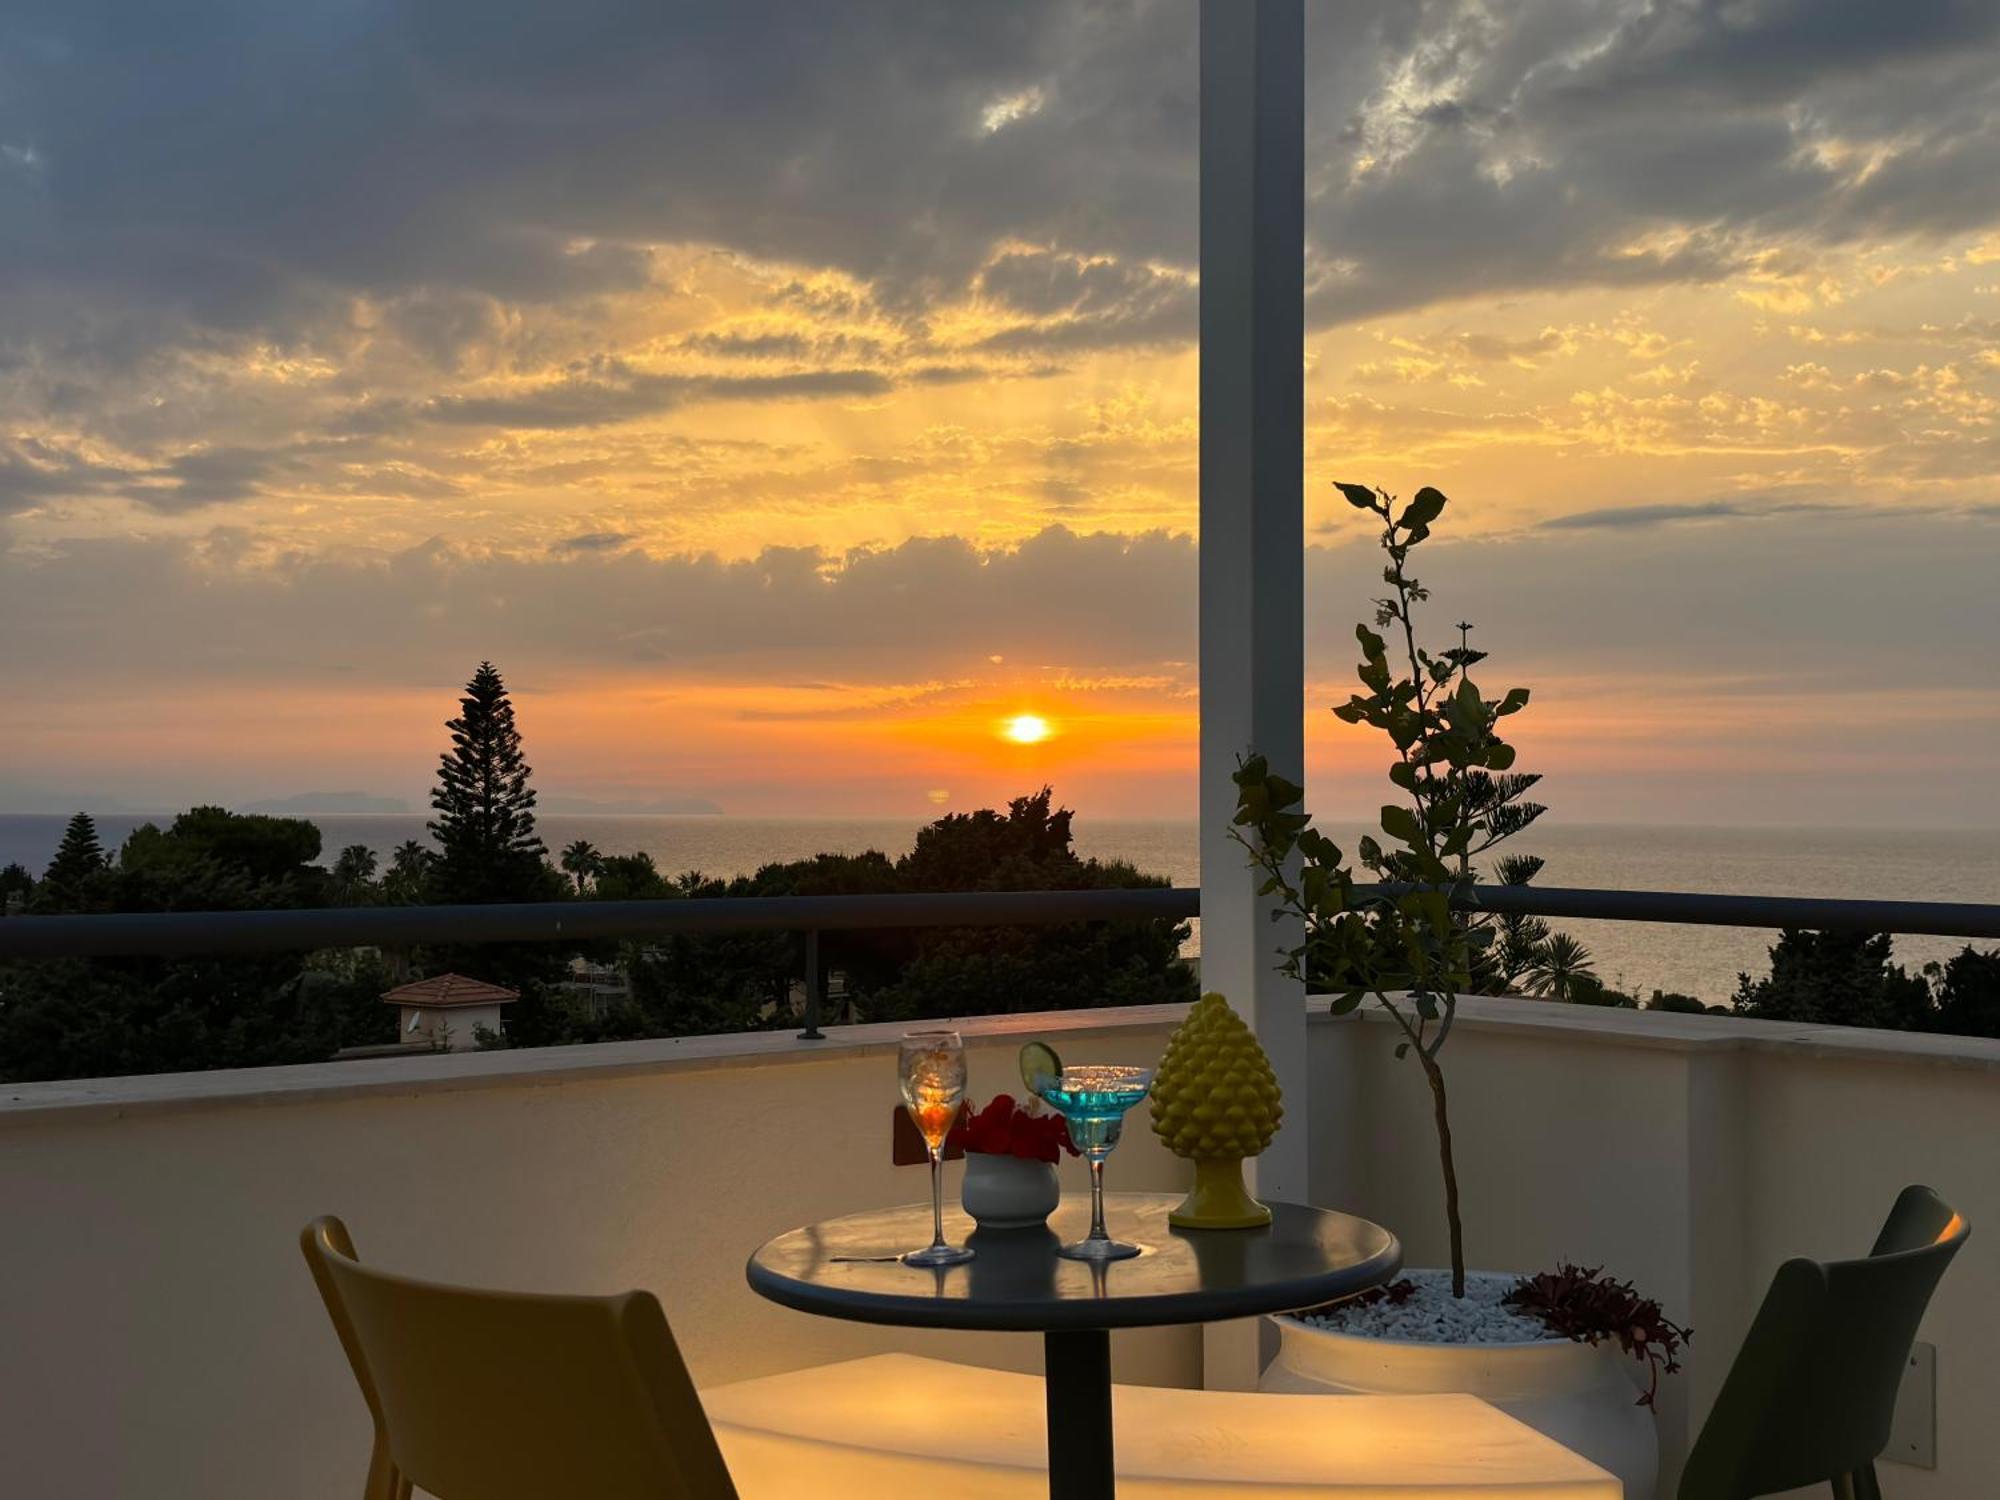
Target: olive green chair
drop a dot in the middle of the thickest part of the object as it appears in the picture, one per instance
(1810, 1396)
(514, 1396)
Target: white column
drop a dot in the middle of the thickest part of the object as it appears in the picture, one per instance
(1252, 528)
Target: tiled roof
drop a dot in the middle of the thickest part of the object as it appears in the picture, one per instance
(450, 989)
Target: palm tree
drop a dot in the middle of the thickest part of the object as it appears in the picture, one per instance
(353, 873)
(408, 877)
(1560, 968)
(583, 864)
(1499, 966)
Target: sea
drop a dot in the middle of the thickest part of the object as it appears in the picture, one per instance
(1639, 957)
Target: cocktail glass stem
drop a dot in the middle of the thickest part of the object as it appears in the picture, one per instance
(1097, 1198)
(937, 1197)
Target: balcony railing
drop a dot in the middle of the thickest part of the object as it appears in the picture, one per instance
(128, 934)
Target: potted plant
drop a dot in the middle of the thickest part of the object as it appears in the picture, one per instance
(1010, 1164)
(1412, 947)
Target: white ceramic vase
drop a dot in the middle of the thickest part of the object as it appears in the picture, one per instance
(1008, 1192)
(1584, 1397)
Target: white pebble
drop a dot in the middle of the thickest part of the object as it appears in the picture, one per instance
(1434, 1316)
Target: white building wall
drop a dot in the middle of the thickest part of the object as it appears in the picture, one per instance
(459, 1024)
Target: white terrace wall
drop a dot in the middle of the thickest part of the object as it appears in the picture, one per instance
(159, 1336)
(1691, 1154)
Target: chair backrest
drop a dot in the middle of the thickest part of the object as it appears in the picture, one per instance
(1813, 1388)
(518, 1396)
(324, 1241)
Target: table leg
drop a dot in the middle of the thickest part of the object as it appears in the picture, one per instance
(1077, 1371)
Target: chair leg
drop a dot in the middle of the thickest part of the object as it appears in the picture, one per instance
(1866, 1487)
(384, 1482)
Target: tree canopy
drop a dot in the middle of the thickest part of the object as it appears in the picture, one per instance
(1839, 978)
(485, 825)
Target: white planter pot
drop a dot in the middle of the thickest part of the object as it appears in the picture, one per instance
(1008, 1192)
(1582, 1396)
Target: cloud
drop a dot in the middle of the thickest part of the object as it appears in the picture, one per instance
(904, 613)
(624, 394)
(32, 473)
(335, 252)
(1525, 352)
(1633, 517)
(207, 477)
(1640, 517)
(1084, 607)
(593, 541)
(1567, 144)
(274, 166)
(1070, 301)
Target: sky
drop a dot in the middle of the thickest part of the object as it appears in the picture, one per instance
(788, 397)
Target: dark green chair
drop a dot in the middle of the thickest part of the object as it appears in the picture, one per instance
(1810, 1396)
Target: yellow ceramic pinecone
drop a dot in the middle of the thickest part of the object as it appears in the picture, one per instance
(1215, 1097)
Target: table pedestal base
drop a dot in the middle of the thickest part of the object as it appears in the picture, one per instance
(1077, 1371)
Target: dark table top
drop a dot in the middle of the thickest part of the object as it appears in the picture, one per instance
(847, 1268)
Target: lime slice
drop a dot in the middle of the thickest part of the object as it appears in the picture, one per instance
(1040, 1066)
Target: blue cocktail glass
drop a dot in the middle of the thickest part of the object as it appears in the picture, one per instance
(1093, 1099)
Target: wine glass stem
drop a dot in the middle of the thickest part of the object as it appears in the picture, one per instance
(937, 1197)
(1097, 1199)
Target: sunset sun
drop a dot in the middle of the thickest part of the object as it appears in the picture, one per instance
(1026, 729)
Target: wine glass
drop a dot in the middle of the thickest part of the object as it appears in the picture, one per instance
(930, 1066)
(1093, 1098)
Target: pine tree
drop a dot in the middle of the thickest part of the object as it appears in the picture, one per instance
(485, 828)
(78, 857)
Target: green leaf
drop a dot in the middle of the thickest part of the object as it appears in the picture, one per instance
(1360, 496)
(1401, 824)
(1513, 703)
(1345, 1004)
(1425, 507)
(1468, 708)
(1318, 848)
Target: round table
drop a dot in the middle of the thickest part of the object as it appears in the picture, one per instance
(848, 1268)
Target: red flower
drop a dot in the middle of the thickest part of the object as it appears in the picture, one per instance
(1005, 1129)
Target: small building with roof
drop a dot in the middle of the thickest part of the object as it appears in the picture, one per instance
(446, 1012)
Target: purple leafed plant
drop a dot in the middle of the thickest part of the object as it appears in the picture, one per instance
(1395, 1293)
(1582, 1303)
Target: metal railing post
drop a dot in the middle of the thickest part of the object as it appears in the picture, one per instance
(812, 1033)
